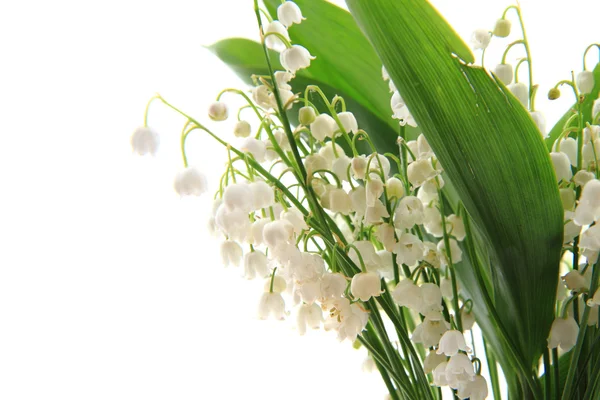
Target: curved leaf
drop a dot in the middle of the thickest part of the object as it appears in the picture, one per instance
(492, 152)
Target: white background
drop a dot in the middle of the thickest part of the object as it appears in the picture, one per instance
(110, 287)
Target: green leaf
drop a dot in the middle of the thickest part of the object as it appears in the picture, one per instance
(586, 107)
(492, 152)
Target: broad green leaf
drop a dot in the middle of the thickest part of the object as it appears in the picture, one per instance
(492, 152)
(586, 107)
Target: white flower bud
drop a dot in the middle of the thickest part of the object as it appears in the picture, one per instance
(242, 129)
(505, 73)
(502, 28)
(218, 111)
(306, 115)
(255, 264)
(295, 58)
(562, 166)
(348, 121)
(409, 249)
(419, 172)
(333, 285)
(190, 182)
(520, 91)
(260, 95)
(144, 141)
(459, 370)
(273, 42)
(563, 334)
(394, 188)
(231, 253)
(585, 81)
(409, 212)
(309, 316)
(480, 39)
(433, 360)
(477, 389)
(256, 147)
(540, 121)
(451, 343)
(289, 13)
(365, 285)
(323, 126)
(271, 304)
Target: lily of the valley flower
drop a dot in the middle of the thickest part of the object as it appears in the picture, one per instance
(323, 126)
(585, 81)
(231, 253)
(309, 316)
(459, 370)
(476, 389)
(348, 121)
(480, 39)
(190, 182)
(520, 91)
(432, 361)
(242, 129)
(563, 333)
(502, 28)
(273, 41)
(562, 166)
(306, 115)
(144, 141)
(365, 285)
(218, 111)
(451, 343)
(255, 264)
(295, 58)
(289, 13)
(271, 305)
(504, 72)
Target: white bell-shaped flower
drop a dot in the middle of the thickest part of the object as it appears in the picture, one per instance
(231, 253)
(386, 268)
(407, 294)
(379, 164)
(567, 198)
(563, 333)
(457, 227)
(339, 167)
(261, 96)
(315, 162)
(477, 389)
(353, 323)
(257, 148)
(255, 264)
(420, 171)
(455, 252)
(339, 201)
(520, 91)
(373, 215)
(480, 39)
(333, 285)
(590, 239)
(276, 233)
(348, 121)
(582, 177)
(401, 111)
(329, 154)
(234, 223)
(367, 253)
(365, 285)
(239, 196)
(432, 300)
(452, 342)
(386, 235)
(289, 13)
(540, 121)
(374, 190)
(562, 166)
(502, 28)
(283, 78)
(467, 318)
(591, 133)
(591, 193)
(295, 58)
(190, 182)
(271, 305)
(409, 249)
(574, 280)
(410, 211)
(424, 149)
(256, 231)
(278, 282)
(286, 97)
(432, 361)
(323, 126)
(218, 111)
(505, 73)
(359, 167)
(295, 217)
(459, 370)
(595, 300)
(144, 141)
(568, 146)
(263, 195)
(309, 315)
(394, 188)
(439, 373)
(430, 331)
(446, 288)
(432, 255)
(585, 81)
(273, 42)
(308, 291)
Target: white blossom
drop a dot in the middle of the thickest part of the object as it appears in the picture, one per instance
(306, 115)
(407, 294)
(315, 162)
(386, 235)
(242, 129)
(295, 217)
(323, 126)
(502, 28)
(283, 78)
(333, 285)
(218, 111)
(420, 171)
(144, 140)
(590, 239)
(540, 121)
(574, 280)
(261, 96)
(231, 253)
(504, 72)
(459, 370)
(451, 343)
(476, 389)
(273, 42)
(480, 39)
(585, 81)
(257, 148)
(365, 285)
(190, 182)
(457, 227)
(563, 333)
(409, 249)
(430, 331)
(409, 212)
(394, 188)
(568, 146)
(582, 177)
(340, 166)
(348, 121)
(432, 361)
(289, 13)
(309, 316)
(467, 319)
(295, 58)
(520, 91)
(562, 166)
(432, 300)
(263, 195)
(271, 304)
(439, 374)
(255, 264)
(455, 252)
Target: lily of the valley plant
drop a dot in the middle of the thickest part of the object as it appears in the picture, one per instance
(388, 187)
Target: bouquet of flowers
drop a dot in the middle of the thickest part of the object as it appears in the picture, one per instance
(390, 188)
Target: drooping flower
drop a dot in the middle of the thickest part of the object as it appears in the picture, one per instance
(144, 140)
(432, 361)
(585, 81)
(295, 58)
(348, 121)
(504, 72)
(257, 148)
(218, 111)
(333, 285)
(394, 188)
(540, 121)
(502, 28)
(271, 305)
(420, 171)
(574, 280)
(409, 249)
(306, 115)
(459, 370)
(430, 331)
(190, 182)
(563, 333)
(451, 343)
(409, 212)
(439, 374)
(231, 253)
(273, 41)
(255, 264)
(289, 13)
(365, 285)
(480, 39)
(242, 129)
(519, 90)
(476, 389)
(309, 316)
(407, 294)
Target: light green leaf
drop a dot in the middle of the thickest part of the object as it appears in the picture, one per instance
(492, 152)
